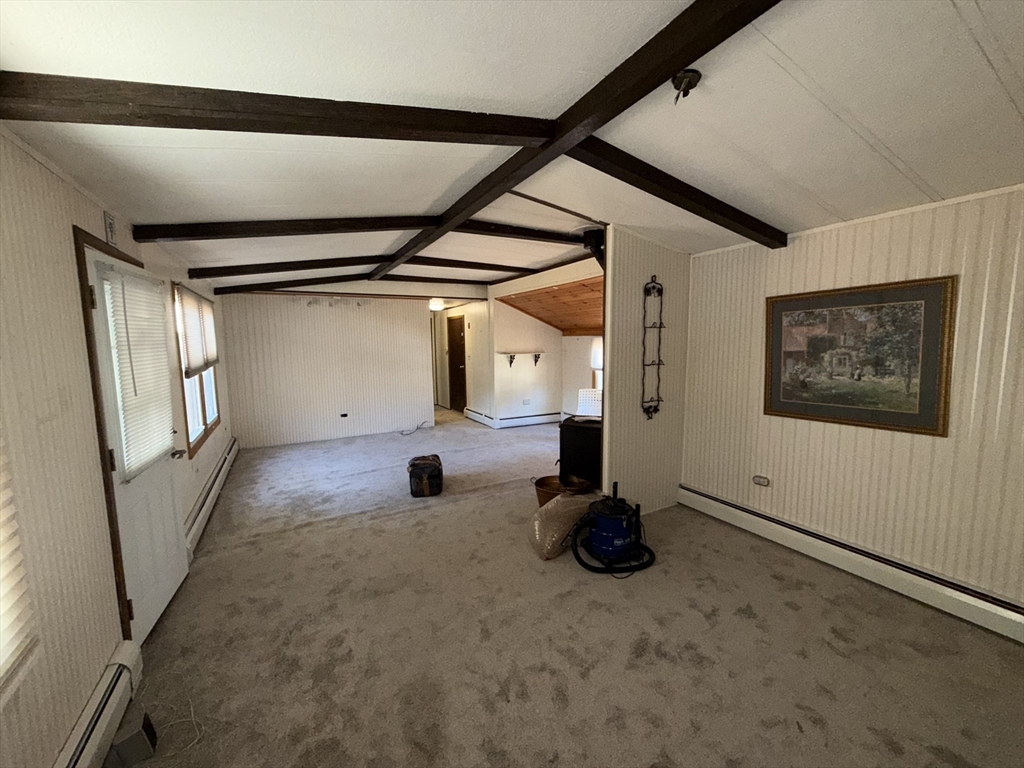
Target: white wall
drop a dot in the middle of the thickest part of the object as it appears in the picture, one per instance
(524, 389)
(50, 431)
(296, 363)
(947, 505)
(576, 371)
(643, 454)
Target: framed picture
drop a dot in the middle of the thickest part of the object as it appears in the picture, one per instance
(871, 356)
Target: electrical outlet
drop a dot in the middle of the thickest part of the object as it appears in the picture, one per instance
(526, 401)
(344, 415)
(762, 481)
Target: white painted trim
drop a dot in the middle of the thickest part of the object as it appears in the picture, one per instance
(199, 524)
(875, 217)
(524, 421)
(951, 601)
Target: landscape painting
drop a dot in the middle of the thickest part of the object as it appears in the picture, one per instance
(871, 356)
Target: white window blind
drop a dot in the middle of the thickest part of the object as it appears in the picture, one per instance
(17, 625)
(137, 316)
(196, 331)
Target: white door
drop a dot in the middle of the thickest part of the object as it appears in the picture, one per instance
(133, 322)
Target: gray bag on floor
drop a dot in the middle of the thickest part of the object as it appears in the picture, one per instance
(552, 522)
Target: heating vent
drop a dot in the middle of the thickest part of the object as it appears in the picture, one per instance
(93, 733)
(200, 514)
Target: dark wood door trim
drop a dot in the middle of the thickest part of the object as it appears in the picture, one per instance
(85, 239)
(456, 327)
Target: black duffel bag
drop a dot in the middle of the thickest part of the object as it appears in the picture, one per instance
(426, 478)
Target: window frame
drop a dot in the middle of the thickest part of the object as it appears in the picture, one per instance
(208, 427)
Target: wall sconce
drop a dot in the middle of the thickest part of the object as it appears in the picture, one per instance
(436, 305)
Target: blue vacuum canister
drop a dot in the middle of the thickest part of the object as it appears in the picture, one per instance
(611, 533)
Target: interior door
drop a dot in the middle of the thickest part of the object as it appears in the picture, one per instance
(133, 321)
(457, 363)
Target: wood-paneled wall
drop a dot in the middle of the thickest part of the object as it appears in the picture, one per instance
(951, 505)
(643, 454)
(296, 363)
(50, 433)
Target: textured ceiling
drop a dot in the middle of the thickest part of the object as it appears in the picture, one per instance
(821, 111)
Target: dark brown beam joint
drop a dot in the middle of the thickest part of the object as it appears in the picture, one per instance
(623, 166)
(693, 33)
(63, 99)
(228, 230)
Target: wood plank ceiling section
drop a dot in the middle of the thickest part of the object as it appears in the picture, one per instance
(576, 309)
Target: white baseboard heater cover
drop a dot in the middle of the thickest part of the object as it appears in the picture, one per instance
(919, 586)
(200, 515)
(92, 735)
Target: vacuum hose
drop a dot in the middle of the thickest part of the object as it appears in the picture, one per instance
(613, 535)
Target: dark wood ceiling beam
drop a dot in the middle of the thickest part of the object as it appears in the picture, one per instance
(433, 280)
(266, 268)
(304, 265)
(694, 32)
(310, 281)
(431, 261)
(492, 229)
(632, 170)
(62, 99)
(303, 283)
(566, 262)
(230, 230)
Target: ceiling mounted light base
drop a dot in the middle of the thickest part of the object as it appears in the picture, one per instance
(684, 82)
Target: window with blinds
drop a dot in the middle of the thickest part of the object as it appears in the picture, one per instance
(197, 341)
(196, 332)
(17, 624)
(137, 317)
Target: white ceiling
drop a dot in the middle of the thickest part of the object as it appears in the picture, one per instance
(500, 250)
(218, 253)
(827, 111)
(821, 111)
(525, 58)
(165, 175)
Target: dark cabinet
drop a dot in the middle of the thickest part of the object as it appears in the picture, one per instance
(580, 450)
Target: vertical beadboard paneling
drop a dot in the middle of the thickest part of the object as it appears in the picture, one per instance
(296, 363)
(643, 454)
(47, 411)
(949, 505)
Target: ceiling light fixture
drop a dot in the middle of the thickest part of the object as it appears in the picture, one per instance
(436, 305)
(684, 82)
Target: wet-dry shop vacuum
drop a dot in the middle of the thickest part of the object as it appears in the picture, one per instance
(611, 534)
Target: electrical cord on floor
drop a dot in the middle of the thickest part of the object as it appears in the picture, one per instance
(414, 431)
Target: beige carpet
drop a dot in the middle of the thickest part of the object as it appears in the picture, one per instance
(331, 620)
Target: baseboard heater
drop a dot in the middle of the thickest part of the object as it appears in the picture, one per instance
(989, 611)
(200, 514)
(94, 731)
(512, 421)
